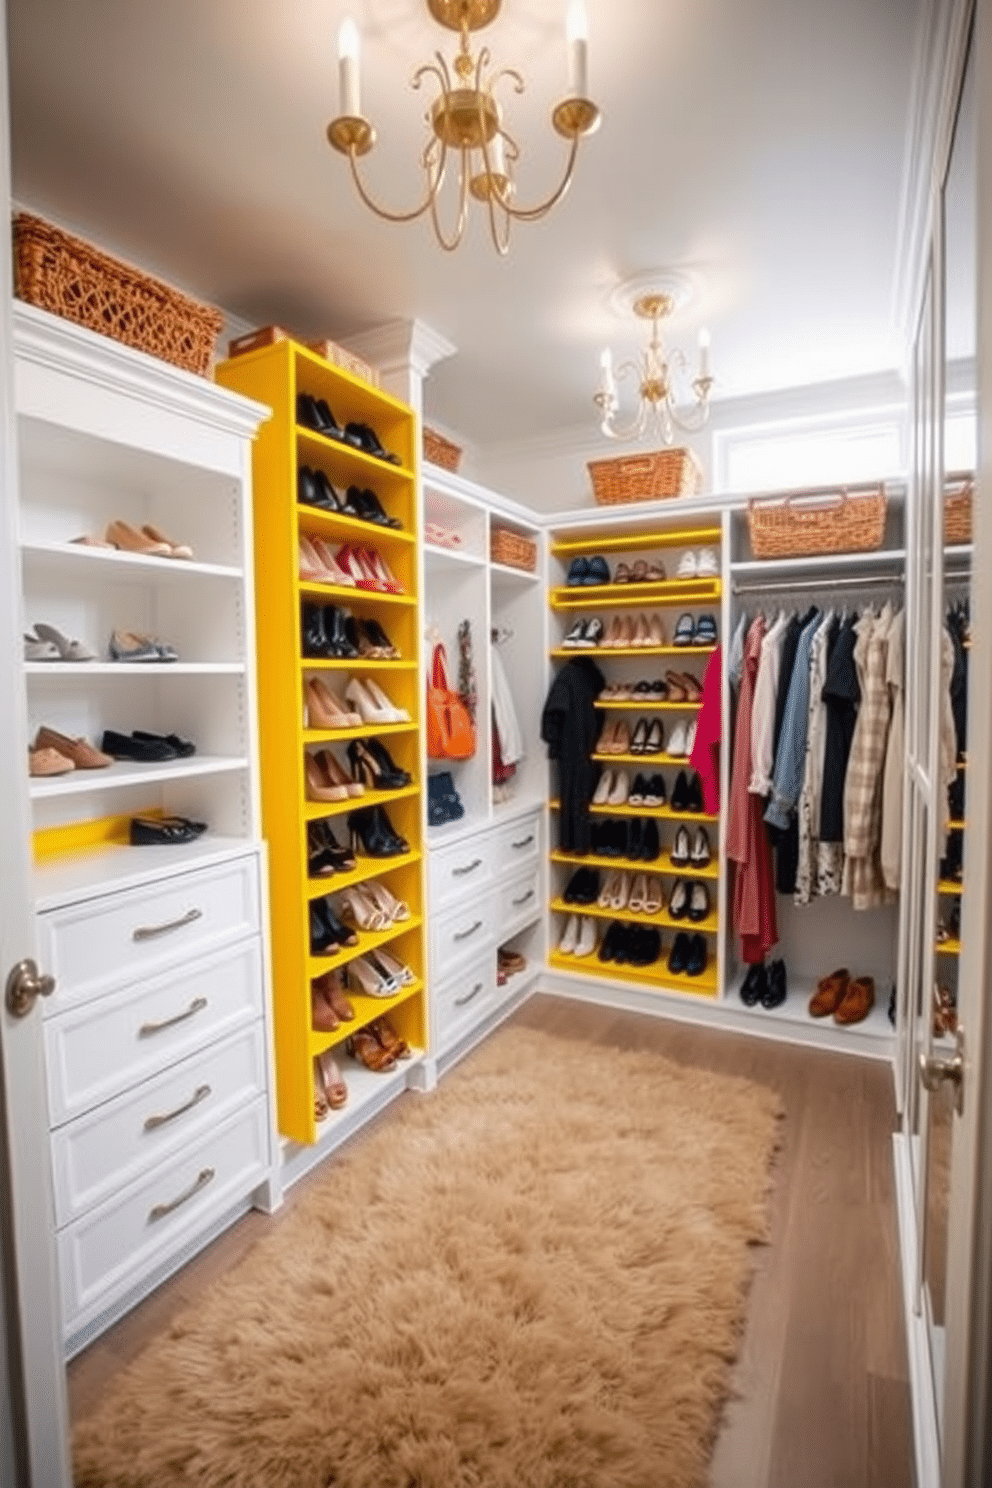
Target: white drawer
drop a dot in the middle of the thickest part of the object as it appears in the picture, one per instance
(107, 1251)
(460, 1001)
(459, 869)
(112, 1146)
(517, 845)
(95, 944)
(99, 1050)
(460, 934)
(517, 902)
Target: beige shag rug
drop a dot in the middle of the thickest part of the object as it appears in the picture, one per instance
(533, 1278)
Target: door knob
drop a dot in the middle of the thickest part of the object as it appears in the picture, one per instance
(938, 1069)
(24, 984)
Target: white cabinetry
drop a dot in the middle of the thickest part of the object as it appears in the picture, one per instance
(157, 1036)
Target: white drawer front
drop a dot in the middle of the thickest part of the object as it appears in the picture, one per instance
(112, 1146)
(517, 845)
(106, 1252)
(460, 934)
(100, 943)
(99, 1050)
(517, 902)
(459, 869)
(461, 1000)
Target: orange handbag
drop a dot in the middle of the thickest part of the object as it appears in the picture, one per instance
(450, 730)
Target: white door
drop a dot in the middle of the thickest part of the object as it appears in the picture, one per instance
(34, 1448)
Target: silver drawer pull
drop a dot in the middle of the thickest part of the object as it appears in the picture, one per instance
(152, 1123)
(523, 899)
(205, 1176)
(468, 868)
(461, 1001)
(149, 932)
(464, 934)
(525, 842)
(196, 1006)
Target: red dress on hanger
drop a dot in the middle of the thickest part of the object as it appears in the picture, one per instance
(705, 756)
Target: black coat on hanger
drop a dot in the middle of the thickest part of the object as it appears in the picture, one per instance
(570, 725)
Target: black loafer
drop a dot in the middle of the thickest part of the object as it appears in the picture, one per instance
(163, 831)
(363, 437)
(774, 994)
(577, 570)
(754, 985)
(696, 959)
(144, 751)
(183, 748)
(597, 571)
(699, 903)
(678, 956)
(705, 631)
(680, 793)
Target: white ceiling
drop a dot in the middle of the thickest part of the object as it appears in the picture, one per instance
(757, 147)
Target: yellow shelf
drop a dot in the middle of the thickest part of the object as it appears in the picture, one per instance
(657, 976)
(646, 760)
(948, 947)
(949, 886)
(274, 375)
(663, 813)
(637, 652)
(639, 542)
(638, 705)
(959, 825)
(662, 920)
(661, 867)
(658, 594)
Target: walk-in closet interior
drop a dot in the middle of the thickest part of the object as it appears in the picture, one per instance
(360, 691)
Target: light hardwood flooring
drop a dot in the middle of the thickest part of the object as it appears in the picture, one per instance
(821, 1394)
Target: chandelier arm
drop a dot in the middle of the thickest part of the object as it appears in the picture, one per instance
(532, 214)
(501, 242)
(450, 244)
(381, 211)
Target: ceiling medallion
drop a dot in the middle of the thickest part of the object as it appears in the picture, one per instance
(466, 121)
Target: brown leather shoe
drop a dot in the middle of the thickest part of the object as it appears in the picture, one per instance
(857, 1002)
(80, 751)
(366, 1048)
(323, 1018)
(829, 993)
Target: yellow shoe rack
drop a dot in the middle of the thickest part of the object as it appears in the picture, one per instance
(275, 375)
(667, 597)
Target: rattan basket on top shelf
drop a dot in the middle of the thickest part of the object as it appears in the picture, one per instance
(650, 476)
(441, 451)
(810, 522)
(957, 511)
(70, 278)
(512, 549)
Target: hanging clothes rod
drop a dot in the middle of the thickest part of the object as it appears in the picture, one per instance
(845, 581)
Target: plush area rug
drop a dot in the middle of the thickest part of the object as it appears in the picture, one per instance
(533, 1278)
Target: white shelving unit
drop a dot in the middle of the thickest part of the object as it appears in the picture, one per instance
(157, 1036)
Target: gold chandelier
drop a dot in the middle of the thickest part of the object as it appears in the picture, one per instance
(657, 410)
(466, 120)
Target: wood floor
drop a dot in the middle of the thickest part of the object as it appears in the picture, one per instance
(821, 1385)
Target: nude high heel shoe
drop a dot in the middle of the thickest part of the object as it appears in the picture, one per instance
(325, 709)
(319, 785)
(130, 540)
(337, 774)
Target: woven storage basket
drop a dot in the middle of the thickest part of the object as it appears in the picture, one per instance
(817, 522)
(957, 514)
(70, 278)
(647, 477)
(512, 549)
(441, 451)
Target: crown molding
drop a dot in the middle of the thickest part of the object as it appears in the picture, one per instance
(402, 345)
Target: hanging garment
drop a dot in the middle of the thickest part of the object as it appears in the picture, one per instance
(785, 843)
(503, 773)
(511, 739)
(863, 879)
(895, 749)
(735, 655)
(705, 756)
(842, 694)
(790, 758)
(808, 814)
(747, 842)
(948, 739)
(468, 687)
(957, 624)
(763, 709)
(570, 725)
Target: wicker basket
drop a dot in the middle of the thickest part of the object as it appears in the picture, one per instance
(957, 514)
(512, 549)
(441, 451)
(817, 522)
(69, 278)
(648, 477)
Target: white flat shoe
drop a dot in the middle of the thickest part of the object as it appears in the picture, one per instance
(36, 650)
(570, 936)
(603, 788)
(587, 936)
(68, 650)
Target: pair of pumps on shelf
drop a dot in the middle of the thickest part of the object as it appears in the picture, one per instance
(372, 768)
(366, 700)
(350, 567)
(314, 413)
(335, 922)
(331, 633)
(313, 488)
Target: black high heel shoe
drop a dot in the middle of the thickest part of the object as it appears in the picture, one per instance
(363, 437)
(336, 629)
(315, 640)
(325, 854)
(370, 772)
(327, 931)
(371, 828)
(386, 761)
(379, 639)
